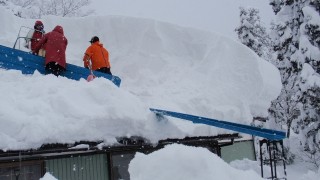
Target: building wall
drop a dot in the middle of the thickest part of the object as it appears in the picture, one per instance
(79, 167)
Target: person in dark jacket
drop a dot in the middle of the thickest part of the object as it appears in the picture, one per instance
(96, 57)
(56, 45)
(34, 37)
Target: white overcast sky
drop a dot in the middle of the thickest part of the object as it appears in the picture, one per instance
(220, 16)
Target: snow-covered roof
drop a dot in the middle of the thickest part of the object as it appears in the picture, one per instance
(161, 66)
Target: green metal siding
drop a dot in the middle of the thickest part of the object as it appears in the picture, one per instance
(239, 150)
(93, 167)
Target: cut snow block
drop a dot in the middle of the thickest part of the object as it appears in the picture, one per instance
(27, 63)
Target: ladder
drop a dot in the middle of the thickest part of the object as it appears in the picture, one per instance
(275, 153)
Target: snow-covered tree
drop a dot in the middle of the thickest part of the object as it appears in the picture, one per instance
(63, 7)
(3, 2)
(39, 8)
(296, 41)
(276, 5)
(307, 124)
(252, 33)
(23, 3)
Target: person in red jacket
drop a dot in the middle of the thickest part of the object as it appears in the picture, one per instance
(96, 57)
(34, 37)
(56, 45)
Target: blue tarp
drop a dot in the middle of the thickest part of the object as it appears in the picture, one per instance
(27, 63)
(261, 132)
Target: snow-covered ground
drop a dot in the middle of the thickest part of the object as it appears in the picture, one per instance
(161, 65)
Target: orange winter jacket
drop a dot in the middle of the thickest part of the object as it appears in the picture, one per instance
(98, 55)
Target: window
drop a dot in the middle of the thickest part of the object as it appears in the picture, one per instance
(120, 165)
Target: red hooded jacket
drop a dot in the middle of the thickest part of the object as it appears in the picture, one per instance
(37, 35)
(55, 46)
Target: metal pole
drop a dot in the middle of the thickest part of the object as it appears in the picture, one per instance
(274, 157)
(18, 36)
(261, 158)
(270, 158)
(283, 159)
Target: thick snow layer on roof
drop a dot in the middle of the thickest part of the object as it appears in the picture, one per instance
(161, 66)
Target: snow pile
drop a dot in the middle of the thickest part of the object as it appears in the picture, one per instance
(48, 176)
(246, 164)
(185, 163)
(299, 170)
(311, 175)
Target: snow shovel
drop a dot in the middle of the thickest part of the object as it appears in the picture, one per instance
(91, 76)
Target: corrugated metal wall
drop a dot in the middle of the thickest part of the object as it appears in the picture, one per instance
(91, 167)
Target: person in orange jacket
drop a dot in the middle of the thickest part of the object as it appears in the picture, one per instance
(96, 57)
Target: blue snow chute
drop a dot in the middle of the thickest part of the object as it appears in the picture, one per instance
(256, 131)
(27, 63)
